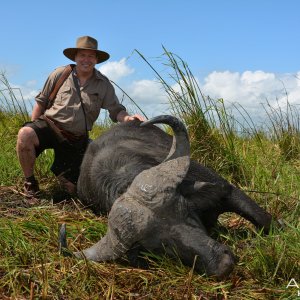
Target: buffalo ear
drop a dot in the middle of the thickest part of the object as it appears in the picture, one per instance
(204, 189)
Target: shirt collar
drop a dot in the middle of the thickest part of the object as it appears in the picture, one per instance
(97, 74)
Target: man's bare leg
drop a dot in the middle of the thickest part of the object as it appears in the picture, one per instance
(26, 142)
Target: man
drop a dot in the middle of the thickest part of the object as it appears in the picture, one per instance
(65, 125)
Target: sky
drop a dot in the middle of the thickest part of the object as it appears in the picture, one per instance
(245, 52)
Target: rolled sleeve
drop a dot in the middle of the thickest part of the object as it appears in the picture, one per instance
(112, 103)
(113, 113)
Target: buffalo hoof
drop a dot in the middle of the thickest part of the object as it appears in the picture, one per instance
(222, 265)
(226, 265)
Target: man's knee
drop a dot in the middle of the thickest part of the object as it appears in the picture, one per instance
(27, 138)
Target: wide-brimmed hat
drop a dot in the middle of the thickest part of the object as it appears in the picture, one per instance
(86, 43)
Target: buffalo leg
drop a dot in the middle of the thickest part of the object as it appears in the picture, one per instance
(243, 205)
(192, 244)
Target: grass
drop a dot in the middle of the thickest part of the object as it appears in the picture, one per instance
(262, 161)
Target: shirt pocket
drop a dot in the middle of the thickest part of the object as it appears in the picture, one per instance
(64, 95)
(92, 104)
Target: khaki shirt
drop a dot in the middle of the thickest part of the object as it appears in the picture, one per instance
(67, 111)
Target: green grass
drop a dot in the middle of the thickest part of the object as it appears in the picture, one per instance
(262, 161)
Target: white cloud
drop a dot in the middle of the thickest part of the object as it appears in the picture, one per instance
(150, 96)
(147, 93)
(26, 92)
(23, 94)
(249, 89)
(252, 89)
(115, 70)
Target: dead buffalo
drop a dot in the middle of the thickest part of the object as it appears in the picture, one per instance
(157, 198)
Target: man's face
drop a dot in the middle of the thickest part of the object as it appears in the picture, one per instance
(86, 60)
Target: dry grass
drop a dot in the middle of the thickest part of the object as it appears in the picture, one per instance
(31, 267)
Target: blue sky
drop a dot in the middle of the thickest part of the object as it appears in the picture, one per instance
(242, 51)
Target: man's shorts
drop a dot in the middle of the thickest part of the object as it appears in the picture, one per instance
(67, 155)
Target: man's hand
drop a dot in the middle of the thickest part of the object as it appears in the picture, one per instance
(135, 116)
(124, 117)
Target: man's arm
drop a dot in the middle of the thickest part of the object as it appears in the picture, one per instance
(37, 111)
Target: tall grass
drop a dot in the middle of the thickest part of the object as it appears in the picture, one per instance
(284, 128)
(263, 161)
(9, 102)
(216, 135)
